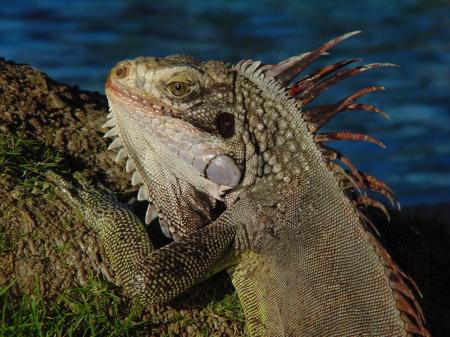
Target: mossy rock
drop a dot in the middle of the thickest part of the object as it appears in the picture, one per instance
(54, 276)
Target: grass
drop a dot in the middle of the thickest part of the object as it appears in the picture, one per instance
(228, 308)
(93, 310)
(28, 160)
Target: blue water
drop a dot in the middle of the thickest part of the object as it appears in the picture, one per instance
(77, 42)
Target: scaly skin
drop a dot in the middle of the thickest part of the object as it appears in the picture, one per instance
(231, 162)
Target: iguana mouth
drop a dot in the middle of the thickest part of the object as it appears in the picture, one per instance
(139, 102)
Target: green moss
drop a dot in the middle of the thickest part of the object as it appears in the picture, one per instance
(27, 161)
(90, 311)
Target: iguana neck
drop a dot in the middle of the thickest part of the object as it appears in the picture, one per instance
(281, 148)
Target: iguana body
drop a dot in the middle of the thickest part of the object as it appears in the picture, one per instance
(232, 164)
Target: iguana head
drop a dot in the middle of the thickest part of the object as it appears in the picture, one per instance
(197, 133)
(176, 123)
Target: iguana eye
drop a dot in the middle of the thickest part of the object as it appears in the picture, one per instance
(225, 125)
(121, 72)
(179, 88)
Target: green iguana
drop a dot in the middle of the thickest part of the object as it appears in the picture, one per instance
(232, 162)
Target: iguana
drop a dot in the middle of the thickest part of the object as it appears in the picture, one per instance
(232, 162)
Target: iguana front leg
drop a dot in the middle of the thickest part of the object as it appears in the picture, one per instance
(148, 275)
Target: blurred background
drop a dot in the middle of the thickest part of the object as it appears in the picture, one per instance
(78, 41)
